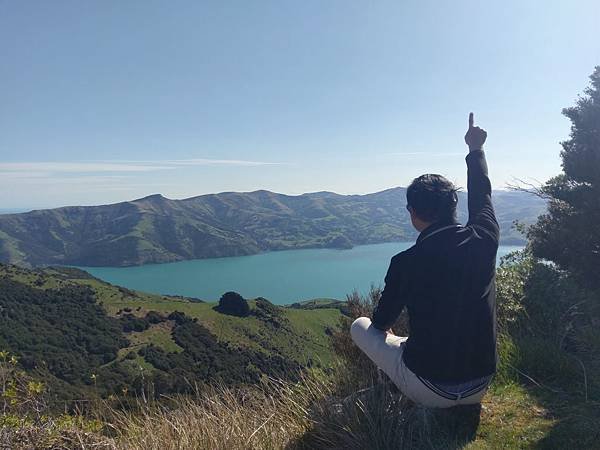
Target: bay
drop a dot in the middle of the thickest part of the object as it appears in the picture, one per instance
(283, 277)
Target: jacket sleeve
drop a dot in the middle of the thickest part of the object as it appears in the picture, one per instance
(392, 300)
(481, 210)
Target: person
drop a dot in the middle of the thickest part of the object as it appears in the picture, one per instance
(447, 283)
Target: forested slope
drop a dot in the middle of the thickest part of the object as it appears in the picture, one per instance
(86, 338)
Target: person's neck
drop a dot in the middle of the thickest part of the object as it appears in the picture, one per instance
(431, 226)
(424, 225)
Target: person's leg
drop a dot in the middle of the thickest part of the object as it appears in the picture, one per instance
(423, 392)
(384, 349)
(418, 392)
(473, 399)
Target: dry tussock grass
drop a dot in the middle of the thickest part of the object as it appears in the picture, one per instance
(310, 414)
(271, 416)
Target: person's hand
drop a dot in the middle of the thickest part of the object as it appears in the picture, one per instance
(475, 137)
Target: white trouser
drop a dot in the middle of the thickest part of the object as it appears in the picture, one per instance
(385, 350)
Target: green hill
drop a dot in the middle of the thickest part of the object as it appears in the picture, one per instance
(155, 229)
(87, 337)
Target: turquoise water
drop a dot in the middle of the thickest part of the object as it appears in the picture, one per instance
(283, 277)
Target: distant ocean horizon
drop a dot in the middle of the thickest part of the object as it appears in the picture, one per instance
(283, 277)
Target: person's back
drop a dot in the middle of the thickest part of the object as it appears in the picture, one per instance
(446, 281)
(451, 305)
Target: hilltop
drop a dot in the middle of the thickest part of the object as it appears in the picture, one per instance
(156, 229)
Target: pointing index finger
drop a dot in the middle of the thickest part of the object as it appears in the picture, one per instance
(470, 120)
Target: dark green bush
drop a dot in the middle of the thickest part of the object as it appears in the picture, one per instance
(234, 304)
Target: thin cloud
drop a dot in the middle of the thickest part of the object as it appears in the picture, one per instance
(426, 153)
(207, 162)
(17, 174)
(49, 179)
(47, 168)
(77, 167)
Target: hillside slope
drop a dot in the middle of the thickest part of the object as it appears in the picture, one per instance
(545, 393)
(155, 229)
(71, 329)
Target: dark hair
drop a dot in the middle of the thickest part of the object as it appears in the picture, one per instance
(432, 197)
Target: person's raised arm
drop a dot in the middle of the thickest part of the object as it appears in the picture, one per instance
(481, 210)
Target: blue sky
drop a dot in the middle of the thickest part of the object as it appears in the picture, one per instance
(103, 101)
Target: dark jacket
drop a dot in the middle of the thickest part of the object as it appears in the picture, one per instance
(447, 282)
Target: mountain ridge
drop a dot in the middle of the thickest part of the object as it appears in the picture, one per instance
(156, 229)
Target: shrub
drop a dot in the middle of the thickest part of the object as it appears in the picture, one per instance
(269, 313)
(19, 393)
(548, 327)
(154, 317)
(130, 323)
(233, 304)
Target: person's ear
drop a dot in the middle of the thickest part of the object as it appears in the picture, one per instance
(411, 210)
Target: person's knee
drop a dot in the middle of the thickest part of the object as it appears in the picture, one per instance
(359, 327)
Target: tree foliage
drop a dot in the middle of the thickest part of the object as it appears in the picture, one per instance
(62, 330)
(204, 360)
(234, 304)
(569, 234)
